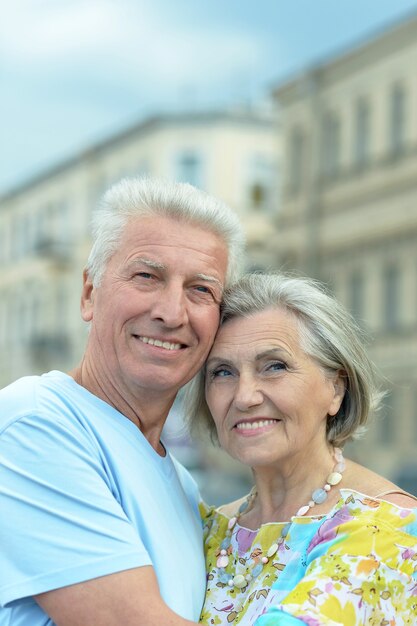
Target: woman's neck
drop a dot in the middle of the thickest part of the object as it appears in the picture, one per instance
(282, 491)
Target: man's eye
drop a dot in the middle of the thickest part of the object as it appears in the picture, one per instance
(143, 275)
(206, 293)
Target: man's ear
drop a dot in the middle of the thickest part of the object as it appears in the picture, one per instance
(339, 385)
(87, 298)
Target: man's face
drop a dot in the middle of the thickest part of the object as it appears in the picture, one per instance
(156, 311)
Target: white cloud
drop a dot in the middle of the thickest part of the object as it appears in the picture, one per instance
(73, 70)
(34, 31)
(129, 38)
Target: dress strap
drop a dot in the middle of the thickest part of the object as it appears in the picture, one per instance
(400, 492)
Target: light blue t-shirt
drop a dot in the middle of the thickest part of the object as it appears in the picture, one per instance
(83, 495)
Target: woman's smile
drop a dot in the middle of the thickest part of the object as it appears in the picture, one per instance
(255, 426)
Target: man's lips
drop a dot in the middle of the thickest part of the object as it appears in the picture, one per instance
(161, 343)
(255, 423)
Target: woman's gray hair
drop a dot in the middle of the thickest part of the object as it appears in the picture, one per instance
(328, 334)
(147, 197)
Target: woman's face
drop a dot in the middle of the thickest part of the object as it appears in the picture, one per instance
(269, 400)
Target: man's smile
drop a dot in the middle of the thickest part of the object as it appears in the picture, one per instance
(159, 343)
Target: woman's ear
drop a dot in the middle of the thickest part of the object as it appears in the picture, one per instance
(339, 386)
(87, 298)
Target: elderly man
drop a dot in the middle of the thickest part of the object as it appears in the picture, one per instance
(99, 525)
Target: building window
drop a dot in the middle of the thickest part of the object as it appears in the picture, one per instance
(4, 242)
(297, 147)
(331, 144)
(20, 236)
(64, 222)
(189, 169)
(397, 120)
(357, 294)
(388, 418)
(413, 416)
(98, 186)
(262, 178)
(362, 132)
(26, 318)
(2, 317)
(391, 304)
(407, 478)
(18, 319)
(257, 195)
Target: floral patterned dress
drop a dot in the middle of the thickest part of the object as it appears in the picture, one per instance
(355, 566)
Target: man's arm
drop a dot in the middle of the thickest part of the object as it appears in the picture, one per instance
(130, 598)
(79, 555)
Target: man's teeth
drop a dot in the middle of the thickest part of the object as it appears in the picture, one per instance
(254, 425)
(161, 344)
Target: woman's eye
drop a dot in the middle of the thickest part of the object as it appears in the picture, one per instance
(220, 372)
(276, 366)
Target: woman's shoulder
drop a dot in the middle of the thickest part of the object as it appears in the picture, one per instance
(230, 509)
(397, 496)
(374, 485)
(209, 513)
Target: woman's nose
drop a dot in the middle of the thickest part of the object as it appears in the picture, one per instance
(247, 394)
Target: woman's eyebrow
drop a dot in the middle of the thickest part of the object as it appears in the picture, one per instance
(271, 352)
(262, 355)
(215, 360)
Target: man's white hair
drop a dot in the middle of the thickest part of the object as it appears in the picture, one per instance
(133, 198)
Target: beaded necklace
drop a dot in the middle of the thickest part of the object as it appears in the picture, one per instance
(258, 558)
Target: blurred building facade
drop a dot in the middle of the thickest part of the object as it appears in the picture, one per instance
(45, 240)
(348, 214)
(45, 231)
(340, 206)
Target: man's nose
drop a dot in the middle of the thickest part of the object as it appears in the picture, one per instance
(171, 307)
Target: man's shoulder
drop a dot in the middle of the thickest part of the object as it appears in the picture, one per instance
(18, 396)
(47, 396)
(21, 387)
(183, 473)
(187, 481)
(14, 388)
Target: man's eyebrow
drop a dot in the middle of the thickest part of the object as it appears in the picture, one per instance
(156, 265)
(210, 279)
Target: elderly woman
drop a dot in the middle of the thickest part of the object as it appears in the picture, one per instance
(319, 539)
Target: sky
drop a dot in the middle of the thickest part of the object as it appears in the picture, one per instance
(75, 72)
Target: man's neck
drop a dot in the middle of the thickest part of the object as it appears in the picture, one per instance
(148, 413)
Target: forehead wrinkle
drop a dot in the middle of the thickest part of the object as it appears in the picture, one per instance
(259, 332)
